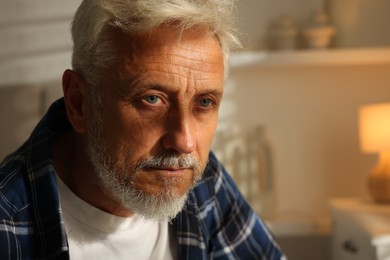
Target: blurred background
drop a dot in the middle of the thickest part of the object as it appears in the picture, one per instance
(288, 129)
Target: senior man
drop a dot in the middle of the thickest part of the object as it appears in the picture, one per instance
(121, 168)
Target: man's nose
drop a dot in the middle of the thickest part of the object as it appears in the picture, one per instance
(179, 136)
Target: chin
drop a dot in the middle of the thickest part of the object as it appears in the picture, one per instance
(160, 206)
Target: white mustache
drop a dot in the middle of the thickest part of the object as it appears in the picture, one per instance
(168, 161)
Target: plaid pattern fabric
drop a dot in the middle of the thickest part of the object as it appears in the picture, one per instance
(217, 223)
(30, 215)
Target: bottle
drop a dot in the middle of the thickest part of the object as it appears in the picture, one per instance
(261, 174)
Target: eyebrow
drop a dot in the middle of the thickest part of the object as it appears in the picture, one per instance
(214, 92)
(137, 86)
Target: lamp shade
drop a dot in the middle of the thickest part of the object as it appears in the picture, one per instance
(374, 125)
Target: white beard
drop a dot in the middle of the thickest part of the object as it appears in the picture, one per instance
(118, 180)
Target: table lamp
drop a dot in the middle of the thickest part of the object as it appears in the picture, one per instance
(374, 125)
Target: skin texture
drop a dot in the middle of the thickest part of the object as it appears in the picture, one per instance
(161, 97)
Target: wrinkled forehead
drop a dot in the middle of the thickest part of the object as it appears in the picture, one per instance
(195, 47)
(163, 39)
(165, 56)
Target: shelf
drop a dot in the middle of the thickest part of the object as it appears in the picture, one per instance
(347, 56)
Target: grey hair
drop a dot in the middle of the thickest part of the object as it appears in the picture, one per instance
(93, 49)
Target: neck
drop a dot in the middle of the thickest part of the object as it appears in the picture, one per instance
(73, 166)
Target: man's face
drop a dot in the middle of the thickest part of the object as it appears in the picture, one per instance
(161, 101)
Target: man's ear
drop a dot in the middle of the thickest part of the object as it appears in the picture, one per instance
(75, 95)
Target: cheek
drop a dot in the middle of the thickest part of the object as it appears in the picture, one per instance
(130, 138)
(205, 138)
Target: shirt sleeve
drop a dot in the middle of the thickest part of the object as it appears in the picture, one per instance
(16, 229)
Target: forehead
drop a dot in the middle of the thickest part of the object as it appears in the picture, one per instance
(191, 47)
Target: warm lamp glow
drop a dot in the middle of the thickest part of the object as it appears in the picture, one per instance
(375, 138)
(375, 128)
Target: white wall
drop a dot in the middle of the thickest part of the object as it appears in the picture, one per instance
(310, 115)
(310, 112)
(35, 42)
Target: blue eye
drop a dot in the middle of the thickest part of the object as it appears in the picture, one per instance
(205, 102)
(152, 99)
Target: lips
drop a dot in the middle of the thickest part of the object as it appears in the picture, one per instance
(168, 169)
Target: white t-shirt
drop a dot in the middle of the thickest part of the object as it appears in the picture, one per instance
(95, 234)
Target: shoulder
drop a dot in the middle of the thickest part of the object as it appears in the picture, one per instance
(216, 199)
(228, 222)
(13, 185)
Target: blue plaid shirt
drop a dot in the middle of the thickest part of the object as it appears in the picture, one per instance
(217, 222)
